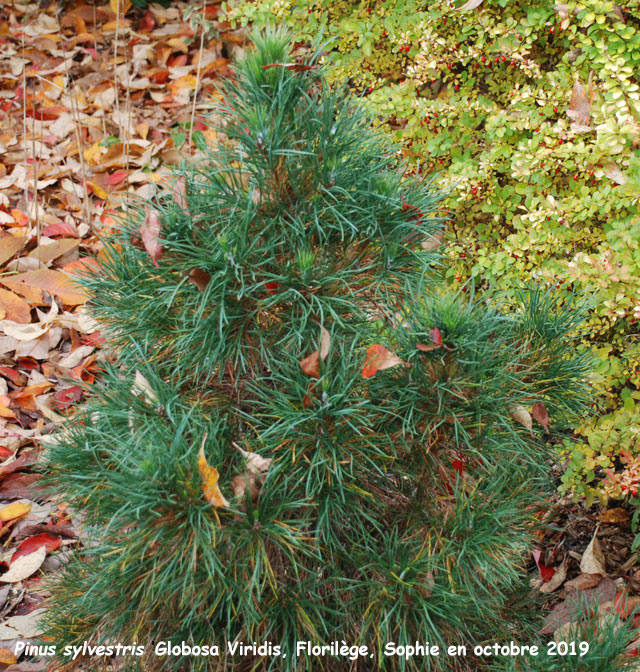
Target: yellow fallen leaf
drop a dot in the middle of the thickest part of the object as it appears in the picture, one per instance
(15, 510)
(10, 245)
(120, 6)
(210, 478)
(142, 129)
(7, 657)
(98, 190)
(184, 82)
(5, 411)
(92, 154)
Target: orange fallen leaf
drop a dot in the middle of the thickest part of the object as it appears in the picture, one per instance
(15, 308)
(20, 217)
(98, 190)
(10, 245)
(311, 365)
(150, 234)
(31, 284)
(5, 411)
(210, 478)
(14, 510)
(379, 359)
(7, 657)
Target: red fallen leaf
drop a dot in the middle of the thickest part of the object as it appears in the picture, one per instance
(545, 572)
(65, 398)
(539, 413)
(178, 61)
(33, 544)
(83, 372)
(148, 22)
(159, 77)
(150, 234)
(199, 125)
(379, 359)
(45, 113)
(96, 339)
(458, 466)
(272, 287)
(25, 460)
(14, 376)
(5, 452)
(59, 229)
(116, 178)
(6, 106)
(436, 337)
(28, 363)
(20, 218)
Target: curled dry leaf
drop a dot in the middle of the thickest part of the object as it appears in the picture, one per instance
(546, 573)
(539, 413)
(617, 515)
(521, 415)
(593, 561)
(582, 582)
(379, 359)
(210, 478)
(579, 108)
(29, 332)
(199, 278)
(24, 626)
(150, 234)
(24, 566)
(311, 365)
(256, 464)
(243, 483)
(558, 578)
(436, 337)
(433, 241)
(142, 388)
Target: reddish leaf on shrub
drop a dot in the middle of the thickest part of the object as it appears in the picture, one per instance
(539, 413)
(546, 573)
(311, 365)
(33, 543)
(150, 234)
(379, 359)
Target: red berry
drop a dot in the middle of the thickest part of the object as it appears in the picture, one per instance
(497, 58)
(474, 191)
(541, 113)
(575, 177)
(463, 255)
(555, 109)
(503, 58)
(483, 59)
(512, 63)
(552, 30)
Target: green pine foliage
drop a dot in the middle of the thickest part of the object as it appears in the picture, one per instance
(396, 507)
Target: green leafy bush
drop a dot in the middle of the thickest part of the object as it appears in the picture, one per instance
(301, 438)
(531, 113)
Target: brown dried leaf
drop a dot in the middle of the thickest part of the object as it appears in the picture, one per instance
(582, 582)
(180, 193)
(24, 566)
(311, 365)
(199, 278)
(617, 515)
(256, 464)
(593, 561)
(558, 578)
(31, 284)
(579, 108)
(540, 415)
(379, 359)
(521, 415)
(15, 308)
(150, 234)
(10, 245)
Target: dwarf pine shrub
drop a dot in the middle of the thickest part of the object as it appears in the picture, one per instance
(300, 438)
